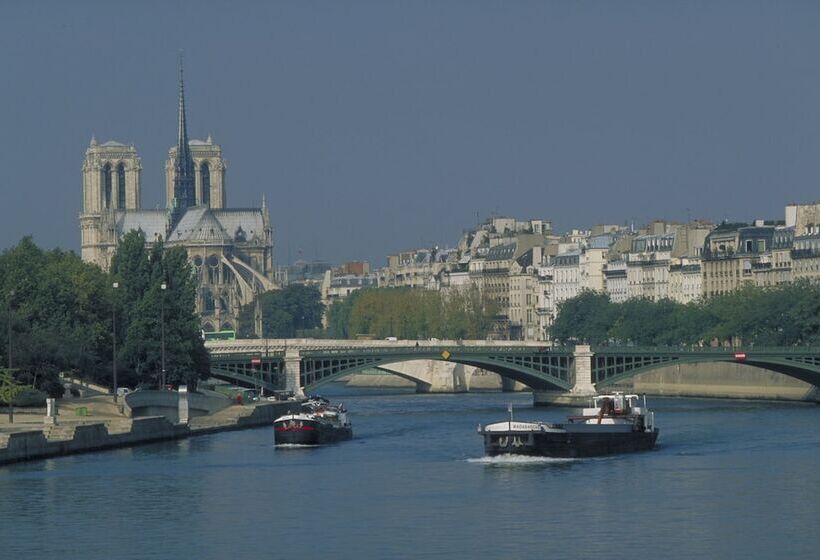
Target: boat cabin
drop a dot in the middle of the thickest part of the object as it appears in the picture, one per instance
(615, 408)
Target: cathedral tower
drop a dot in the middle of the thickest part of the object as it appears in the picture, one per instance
(209, 173)
(111, 182)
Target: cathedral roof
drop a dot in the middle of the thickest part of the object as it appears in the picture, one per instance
(112, 144)
(248, 222)
(153, 223)
(199, 225)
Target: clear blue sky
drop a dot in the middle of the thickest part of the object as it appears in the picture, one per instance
(378, 126)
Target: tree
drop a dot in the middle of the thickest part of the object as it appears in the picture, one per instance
(338, 316)
(143, 304)
(414, 313)
(61, 314)
(587, 317)
(778, 315)
(58, 314)
(284, 312)
(9, 389)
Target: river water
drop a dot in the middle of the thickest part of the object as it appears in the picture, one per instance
(729, 479)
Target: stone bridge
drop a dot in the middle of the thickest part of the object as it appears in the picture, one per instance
(305, 364)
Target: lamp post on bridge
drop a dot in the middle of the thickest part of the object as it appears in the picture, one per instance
(8, 315)
(11, 393)
(114, 287)
(163, 287)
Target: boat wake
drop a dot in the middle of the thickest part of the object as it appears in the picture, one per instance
(296, 445)
(519, 460)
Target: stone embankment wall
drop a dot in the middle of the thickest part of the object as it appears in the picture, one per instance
(166, 403)
(715, 380)
(710, 380)
(432, 376)
(723, 380)
(67, 439)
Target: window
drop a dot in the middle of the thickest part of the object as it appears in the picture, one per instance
(205, 183)
(121, 186)
(106, 186)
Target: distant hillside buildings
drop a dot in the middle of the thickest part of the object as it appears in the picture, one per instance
(529, 271)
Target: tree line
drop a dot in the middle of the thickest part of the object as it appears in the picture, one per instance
(287, 313)
(783, 315)
(61, 314)
(412, 313)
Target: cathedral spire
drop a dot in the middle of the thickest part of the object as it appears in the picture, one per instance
(184, 196)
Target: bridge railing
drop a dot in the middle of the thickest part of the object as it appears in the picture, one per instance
(720, 350)
(282, 345)
(427, 351)
(233, 356)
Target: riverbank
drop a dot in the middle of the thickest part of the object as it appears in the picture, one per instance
(29, 438)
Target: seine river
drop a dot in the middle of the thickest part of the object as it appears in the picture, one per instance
(729, 479)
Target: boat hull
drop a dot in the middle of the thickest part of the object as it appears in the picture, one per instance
(568, 444)
(309, 432)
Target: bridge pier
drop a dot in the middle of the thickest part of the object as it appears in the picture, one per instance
(432, 376)
(582, 366)
(293, 372)
(508, 385)
(582, 388)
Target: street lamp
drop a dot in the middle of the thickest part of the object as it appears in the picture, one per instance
(114, 287)
(163, 287)
(8, 314)
(11, 393)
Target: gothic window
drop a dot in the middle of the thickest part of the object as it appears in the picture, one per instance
(107, 186)
(208, 301)
(121, 186)
(205, 182)
(213, 268)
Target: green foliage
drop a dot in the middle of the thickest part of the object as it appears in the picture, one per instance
(142, 305)
(586, 318)
(338, 316)
(285, 313)
(412, 314)
(10, 388)
(61, 315)
(775, 316)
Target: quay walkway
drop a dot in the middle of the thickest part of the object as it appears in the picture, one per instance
(103, 426)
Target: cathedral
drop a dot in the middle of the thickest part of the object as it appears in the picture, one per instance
(230, 249)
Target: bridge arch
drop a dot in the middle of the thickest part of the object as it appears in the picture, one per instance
(538, 370)
(611, 366)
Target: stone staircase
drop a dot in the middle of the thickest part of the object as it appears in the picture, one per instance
(59, 432)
